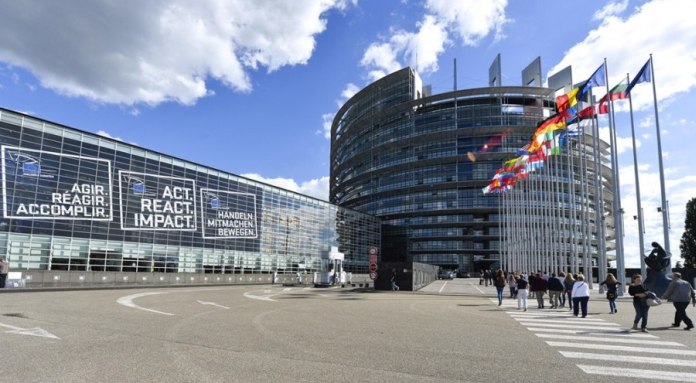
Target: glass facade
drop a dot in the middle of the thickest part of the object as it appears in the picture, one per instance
(78, 201)
(420, 164)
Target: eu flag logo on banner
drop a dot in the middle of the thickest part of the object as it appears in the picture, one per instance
(139, 188)
(31, 168)
(214, 203)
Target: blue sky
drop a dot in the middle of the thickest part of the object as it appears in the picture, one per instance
(250, 87)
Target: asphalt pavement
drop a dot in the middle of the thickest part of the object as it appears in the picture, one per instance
(450, 331)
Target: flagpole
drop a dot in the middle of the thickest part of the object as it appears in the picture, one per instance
(599, 203)
(665, 217)
(639, 214)
(616, 203)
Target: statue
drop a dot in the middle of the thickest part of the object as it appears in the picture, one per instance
(657, 261)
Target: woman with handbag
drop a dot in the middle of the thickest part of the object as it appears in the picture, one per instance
(639, 294)
(612, 287)
(581, 295)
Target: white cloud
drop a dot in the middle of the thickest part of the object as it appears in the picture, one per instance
(382, 56)
(680, 189)
(611, 9)
(327, 119)
(350, 91)
(469, 20)
(318, 188)
(472, 20)
(660, 27)
(108, 135)
(157, 51)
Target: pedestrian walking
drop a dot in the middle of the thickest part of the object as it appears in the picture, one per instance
(393, 279)
(499, 284)
(4, 269)
(539, 287)
(522, 293)
(512, 283)
(639, 294)
(555, 291)
(681, 293)
(568, 283)
(487, 276)
(612, 290)
(561, 278)
(581, 295)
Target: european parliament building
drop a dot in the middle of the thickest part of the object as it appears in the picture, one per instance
(74, 201)
(419, 162)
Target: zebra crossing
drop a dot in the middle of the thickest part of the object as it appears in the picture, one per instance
(604, 348)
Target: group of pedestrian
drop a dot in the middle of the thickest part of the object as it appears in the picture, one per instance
(486, 277)
(573, 289)
(561, 288)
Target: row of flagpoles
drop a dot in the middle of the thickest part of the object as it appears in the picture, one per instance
(556, 219)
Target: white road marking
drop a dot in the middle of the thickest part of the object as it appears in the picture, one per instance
(36, 331)
(213, 304)
(645, 375)
(476, 287)
(443, 286)
(628, 358)
(556, 317)
(535, 313)
(624, 333)
(258, 297)
(611, 340)
(632, 349)
(589, 326)
(285, 289)
(581, 322)
(128, 302)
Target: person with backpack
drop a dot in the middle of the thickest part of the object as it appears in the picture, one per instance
(612, 287)
(499, 284)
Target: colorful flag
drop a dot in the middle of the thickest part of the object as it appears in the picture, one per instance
(588, 112)
(555, 122)
(567, 100)
(523, 150)
(598, 78)
(616, 93)
(644, 75)
(576, 129)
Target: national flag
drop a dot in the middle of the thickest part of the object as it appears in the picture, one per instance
(616, 93)
(588, 112)
(523, 150)
(553, 146)
(555, 122)
(567, 100)
(515, 164)
(576, 129)
(598, 78)
(644, 75)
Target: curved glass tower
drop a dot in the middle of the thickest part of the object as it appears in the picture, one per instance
(420, 161)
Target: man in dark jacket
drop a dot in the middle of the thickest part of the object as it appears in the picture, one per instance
(555, 290)
(539, 287)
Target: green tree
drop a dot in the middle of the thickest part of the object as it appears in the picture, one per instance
(688, 240)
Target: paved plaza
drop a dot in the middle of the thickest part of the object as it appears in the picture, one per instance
(450, 331)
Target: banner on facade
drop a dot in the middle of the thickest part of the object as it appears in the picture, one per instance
(226, 214)
(153, 202)
(38, 184)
